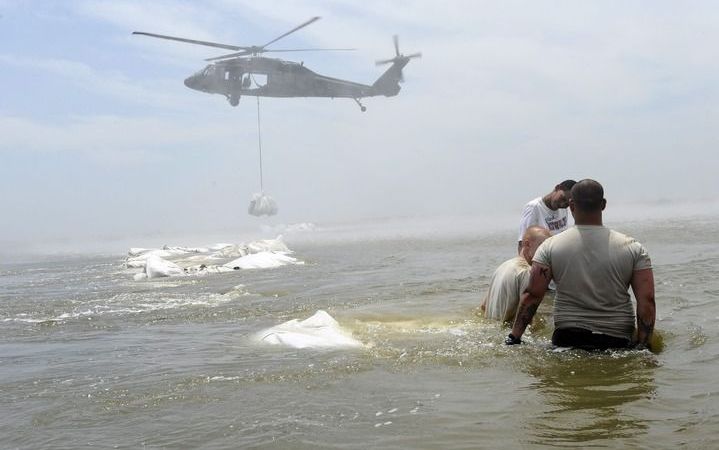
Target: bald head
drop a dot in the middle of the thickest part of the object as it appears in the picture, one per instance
(535, 233)
(588, 196)
(532, 239)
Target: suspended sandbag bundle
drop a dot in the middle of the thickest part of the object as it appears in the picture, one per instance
(262, 205)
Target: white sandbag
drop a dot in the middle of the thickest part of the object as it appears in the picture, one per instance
(318, 331)
(156, 267)
(180, 250)
(140, 260)
(219, 246)
(137, 251)
(268, 245)
(233, 251)
(262, 205)
(202, 270)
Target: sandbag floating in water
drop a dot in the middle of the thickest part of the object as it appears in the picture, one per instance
(262, 205)
(319, 331)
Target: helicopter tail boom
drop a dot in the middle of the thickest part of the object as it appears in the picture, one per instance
(388, 83)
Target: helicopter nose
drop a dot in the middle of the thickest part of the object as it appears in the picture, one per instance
(191, 81)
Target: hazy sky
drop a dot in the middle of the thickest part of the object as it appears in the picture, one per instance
(99, 136)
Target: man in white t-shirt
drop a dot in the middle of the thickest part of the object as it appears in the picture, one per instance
(548, 212)
(511, 278)
(593, 267)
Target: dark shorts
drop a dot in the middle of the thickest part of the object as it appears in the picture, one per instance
(587, 340)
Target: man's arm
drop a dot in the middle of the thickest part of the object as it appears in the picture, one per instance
(539, 279)
(643, 286)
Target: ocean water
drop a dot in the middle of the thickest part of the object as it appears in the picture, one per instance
(91, 358)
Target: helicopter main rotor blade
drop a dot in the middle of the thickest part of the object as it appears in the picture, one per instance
(314, 19)
(248, 52)
(191, 41)
(414, 55)
(384, 61)
(312, 50)
(230, 55)
(395, 38)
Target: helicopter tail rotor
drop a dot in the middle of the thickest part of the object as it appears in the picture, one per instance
(399, 59)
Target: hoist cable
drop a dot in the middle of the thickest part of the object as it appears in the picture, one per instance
(259, 143)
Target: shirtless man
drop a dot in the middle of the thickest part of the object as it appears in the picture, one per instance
(548, 212)
(510, 279)
(593, 267)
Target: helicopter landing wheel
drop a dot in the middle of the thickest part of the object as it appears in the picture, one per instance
(363, 108)
(234, 100)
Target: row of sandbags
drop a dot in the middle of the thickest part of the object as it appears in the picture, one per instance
(171, 261)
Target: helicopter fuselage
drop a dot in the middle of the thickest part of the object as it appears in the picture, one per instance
(270, 77)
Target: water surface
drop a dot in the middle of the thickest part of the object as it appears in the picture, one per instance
(91, 358)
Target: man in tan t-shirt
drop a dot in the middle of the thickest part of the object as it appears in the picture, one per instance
(510, 279)
(593, 268)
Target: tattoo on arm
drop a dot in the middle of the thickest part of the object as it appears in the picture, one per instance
(526, 314)
(544, 271)
(527, 308)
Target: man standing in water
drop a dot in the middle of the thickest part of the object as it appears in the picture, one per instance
(511, 278)
(548, 212)
(593, 268)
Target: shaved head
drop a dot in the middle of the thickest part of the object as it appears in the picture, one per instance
(536, 233)
(588, 196)
(532, 239)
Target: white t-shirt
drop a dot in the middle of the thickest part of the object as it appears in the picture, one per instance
(592, 266)
(505, 287)
(537, 213)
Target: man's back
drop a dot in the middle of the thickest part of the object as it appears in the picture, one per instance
(505, 288)
(592, 267)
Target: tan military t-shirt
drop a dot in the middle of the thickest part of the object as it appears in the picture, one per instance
(592, 267)
(505, 287)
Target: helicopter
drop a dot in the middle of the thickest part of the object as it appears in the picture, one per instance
(246, 72)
